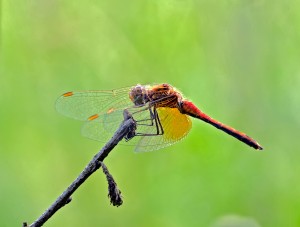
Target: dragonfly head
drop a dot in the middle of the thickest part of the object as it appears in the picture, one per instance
(138, 95)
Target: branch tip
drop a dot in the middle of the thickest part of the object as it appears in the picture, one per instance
(113, 192)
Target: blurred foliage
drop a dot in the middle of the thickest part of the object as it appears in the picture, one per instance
(237, 60)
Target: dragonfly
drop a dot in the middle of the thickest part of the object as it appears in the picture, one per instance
(162, 115)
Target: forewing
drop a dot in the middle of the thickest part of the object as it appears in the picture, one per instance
(81, 105)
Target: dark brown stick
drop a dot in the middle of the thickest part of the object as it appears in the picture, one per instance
(126, 129)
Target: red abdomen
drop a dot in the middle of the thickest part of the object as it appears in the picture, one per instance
(190, 109)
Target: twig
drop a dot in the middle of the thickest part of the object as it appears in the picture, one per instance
(126, 130)
(113, 192)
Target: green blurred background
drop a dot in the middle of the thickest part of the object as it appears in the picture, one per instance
(237, 60)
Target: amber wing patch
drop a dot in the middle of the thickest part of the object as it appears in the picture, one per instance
(175, 124)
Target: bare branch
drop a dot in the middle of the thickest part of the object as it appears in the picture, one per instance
(126, 130)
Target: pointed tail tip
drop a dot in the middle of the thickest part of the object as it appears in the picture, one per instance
(259, 147)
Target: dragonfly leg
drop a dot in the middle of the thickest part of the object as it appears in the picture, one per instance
(152, 117)
(159, 128)
(159, 123)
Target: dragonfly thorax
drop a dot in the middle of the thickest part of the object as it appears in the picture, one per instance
(162, 95)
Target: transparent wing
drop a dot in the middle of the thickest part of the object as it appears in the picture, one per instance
(81, 105)
(102, 127)
(175, 125)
